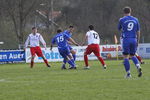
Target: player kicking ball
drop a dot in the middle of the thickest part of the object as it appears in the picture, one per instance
(61, 40)
(92, 37)
(34, 38)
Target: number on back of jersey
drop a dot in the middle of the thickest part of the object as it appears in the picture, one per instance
(95, 36)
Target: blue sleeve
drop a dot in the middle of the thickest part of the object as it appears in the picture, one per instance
(53, 40)
(66, 36)
(119, 25)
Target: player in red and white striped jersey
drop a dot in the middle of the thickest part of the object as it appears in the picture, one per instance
(92, 37)
(34, 38)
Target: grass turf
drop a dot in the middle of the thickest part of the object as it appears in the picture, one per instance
(19, 82)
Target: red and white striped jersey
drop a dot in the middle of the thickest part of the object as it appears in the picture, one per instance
(34, 40)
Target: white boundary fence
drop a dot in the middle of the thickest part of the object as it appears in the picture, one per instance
(107, 51)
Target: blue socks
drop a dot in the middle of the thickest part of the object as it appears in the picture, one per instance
(74, 57)
(127, 65)
(135, 61)
(71, 62)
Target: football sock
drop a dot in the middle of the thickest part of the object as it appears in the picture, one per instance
(71, 63)
(127, 65)
(139, 58)
(64, 61)
(32, 63)
(46, 62)
(101, 60)
(135, 61)
(86, 60)
(74, 57)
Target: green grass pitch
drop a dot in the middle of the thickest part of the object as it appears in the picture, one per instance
(19, 82)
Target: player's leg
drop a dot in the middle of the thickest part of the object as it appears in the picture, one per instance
(73, 52)
(87, 52)
(139, 58)
(134, 58)
(96, 51)
(126, 51)
(32, 50)
(71, 61)
(40, 54)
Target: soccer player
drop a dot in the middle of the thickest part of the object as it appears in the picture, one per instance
(73, 52)
(61, 40)
(93, 46)
(130, 28)
(34, 38)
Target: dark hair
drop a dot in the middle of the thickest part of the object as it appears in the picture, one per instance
(91, 27)
(34, 28)
(70, 26)
(59, 30)
(127, 10)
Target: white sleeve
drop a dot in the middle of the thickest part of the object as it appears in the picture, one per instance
(42, 41)
(88, 33)
(27, 42)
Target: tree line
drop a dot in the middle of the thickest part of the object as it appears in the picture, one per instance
(18, 16)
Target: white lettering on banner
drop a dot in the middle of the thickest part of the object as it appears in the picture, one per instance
(15, 56)
(3, 56)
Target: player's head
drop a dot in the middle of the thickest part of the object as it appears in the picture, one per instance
(91, 27)
(59, 31)
(34, 30)
(71, 28)
(127, 10)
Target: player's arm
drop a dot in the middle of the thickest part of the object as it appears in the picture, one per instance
(27, 42)
(72, 41)
(69, 42)
(138, 37)
(52, 43)
(85, 40)
(42, 41)
(119, 25)
(138, 32)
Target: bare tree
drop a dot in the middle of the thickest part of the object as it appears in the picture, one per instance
(18, 11)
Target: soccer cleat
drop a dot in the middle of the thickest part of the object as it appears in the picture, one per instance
(128, 75)
(63, 66)
(139, 72)
(72, 68)
(142, 62)
(87, 67)
(48, 66)
(104, 66)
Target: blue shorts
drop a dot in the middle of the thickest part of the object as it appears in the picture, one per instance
(64, 52)
(70, 48)
(129, 46)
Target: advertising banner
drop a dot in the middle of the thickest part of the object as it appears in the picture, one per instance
(12, 55)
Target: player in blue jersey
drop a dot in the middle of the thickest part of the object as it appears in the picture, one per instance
(130, 28)
(73, 52)
(61, 40)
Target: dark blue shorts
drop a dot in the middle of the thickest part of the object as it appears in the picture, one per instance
(64, 52)
(129, 46)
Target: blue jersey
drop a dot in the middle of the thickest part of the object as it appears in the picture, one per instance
(68, 33)
(61, 40)
(129, 26)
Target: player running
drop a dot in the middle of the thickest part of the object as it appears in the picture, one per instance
(61, 40)
(130, 33)
(34, 38)
(93, 46)
(73, 52)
